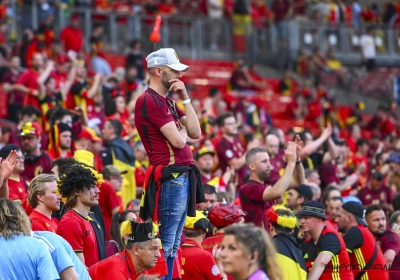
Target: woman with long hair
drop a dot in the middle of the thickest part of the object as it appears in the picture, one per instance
(116, 244)
(247, 253)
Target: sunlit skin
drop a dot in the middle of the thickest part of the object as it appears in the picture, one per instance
(293, 200)
(116, 182)
(211, 200)
(50, 200)
(205, 163)
(89, 197)
(272, 144)
(147, 257)
(342, 220)
(65, 140)
(334, 206)
(376, 221)
(30, 145)
(230, 127)
(261, 166)
(309, 224)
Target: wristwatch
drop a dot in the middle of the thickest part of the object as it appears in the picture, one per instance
(187, 101)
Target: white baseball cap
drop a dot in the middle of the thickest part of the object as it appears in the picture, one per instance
(166, 57)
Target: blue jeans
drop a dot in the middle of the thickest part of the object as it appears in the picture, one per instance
(172, 210)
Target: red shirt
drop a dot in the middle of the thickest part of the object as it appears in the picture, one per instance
(360, 244)
(26, 206)
(16, 189)
(278, 163)
(331, 225)
(166, 9)
(117, 267)
(368, 196)
(153, 112)
(192, 268)
(390, 241)
(29, 79)
(108, 200)
(79, 233)
(252, 203)
(331, 242)
(226, 151)
(42, 222)
(209, 243)
(72, 38)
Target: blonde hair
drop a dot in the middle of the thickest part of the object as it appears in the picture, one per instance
(13, 220)
(254, 239)
(38, 187)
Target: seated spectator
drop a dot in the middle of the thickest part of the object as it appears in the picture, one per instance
(167, 8)
(288, 84)
(317, 63)
(336, 66)
(240, 80)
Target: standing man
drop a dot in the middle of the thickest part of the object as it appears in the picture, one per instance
(276, 158)
(376, 192)
(44, 199)
(164, 130)
(365, 255)
(297, 197)
(119, 154)
(367, 48)
(388, 241)
(141, 253)
(325, 252)
(36, 160)
(79, 187)
(256, 196)
(17, 186)
(60, 141)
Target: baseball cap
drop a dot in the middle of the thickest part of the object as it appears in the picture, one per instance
(314, 209)
(204, 151)
(198, 222)
(30, 129)
(225, 214)
(111, 170)
(305, 191)
(357, 209)
(90, 134)
(166, 57)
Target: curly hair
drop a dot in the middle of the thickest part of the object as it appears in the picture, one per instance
(76, 178)
(63, 164)
(13, 220)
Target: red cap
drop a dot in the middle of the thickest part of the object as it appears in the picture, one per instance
(62, 58)
(225, 214)
(30, 129)
(90, 134)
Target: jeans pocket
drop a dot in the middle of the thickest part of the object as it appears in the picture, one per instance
(180, 181)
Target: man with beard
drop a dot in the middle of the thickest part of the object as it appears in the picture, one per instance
(333, 206)
(297, 197)
(366, 257)
(388, 241)
(204, 159)
(257, 196)
(17, 186)
(79, 187)
(44, 199)
(164, 130)
(211, 198)
(276, 158)
(60, 141)
(36, 160)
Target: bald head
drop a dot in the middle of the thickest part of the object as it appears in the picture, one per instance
(316, 190)
(272, 144)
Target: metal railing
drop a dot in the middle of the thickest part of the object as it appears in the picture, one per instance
(203, 38)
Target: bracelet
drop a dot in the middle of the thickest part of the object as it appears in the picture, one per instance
(187, 101)
(298, 162)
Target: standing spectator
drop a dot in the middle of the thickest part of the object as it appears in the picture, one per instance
(135, 58)
(276, 158)
(141, 253)
(230, 151)
(28, 46)
(297, 197)
(167, 8)
(256, 196)
(215, 11)
(195, 230)
(376, 193)
(72, 36)
(164, 127)
(360, 242)
(31, 260)
(290, 258)
(60, 144)
(388, 240)
(119, 154)
(325, 250)
(44, 199)
(36, 160)
(79, 187)
(17, 186)
(64, 258)
(109, 202)
(368, 49)
(282, 12)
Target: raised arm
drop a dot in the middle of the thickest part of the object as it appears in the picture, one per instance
(94, 89)
(299, 176)
(314, 145)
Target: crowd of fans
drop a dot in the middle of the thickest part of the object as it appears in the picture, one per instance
(75, 163)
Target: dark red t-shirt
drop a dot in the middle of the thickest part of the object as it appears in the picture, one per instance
(79, 233)
(108, 200)
(390, 241)
(251, 200)
(16, 189)
(368, 196)
(29, 79)
(36, 166)
(43, 223)
(192, 268)
(153, 112)
(226, 151)
(278, 163)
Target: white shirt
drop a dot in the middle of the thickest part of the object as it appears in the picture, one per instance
(215, 8)
(367, 44)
